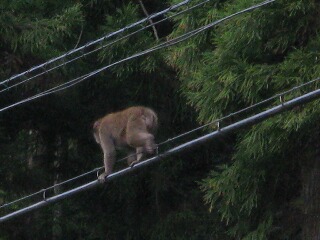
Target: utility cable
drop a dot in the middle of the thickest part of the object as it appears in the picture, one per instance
(247, 122)
(89, 44)
(216, 121)
(103, 46)
(169, 140)
(173, 138)
(150, 50)
(169, 43)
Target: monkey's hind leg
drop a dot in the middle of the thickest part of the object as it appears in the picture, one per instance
(131, 157)
(139, 156)
(138, 137)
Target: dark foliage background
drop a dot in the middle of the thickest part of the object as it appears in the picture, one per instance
(258, 183)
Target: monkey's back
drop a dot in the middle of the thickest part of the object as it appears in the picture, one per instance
(114, 124)
(150, 116)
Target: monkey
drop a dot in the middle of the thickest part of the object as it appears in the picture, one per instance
(132, 128)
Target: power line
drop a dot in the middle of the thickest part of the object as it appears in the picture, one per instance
(89, 44)
(247, 122)
(43, 191)
(217, 121)
(77, 80)
(174, 41)
(279, 95)
(150, 50)
(102, 47)
(169, 140)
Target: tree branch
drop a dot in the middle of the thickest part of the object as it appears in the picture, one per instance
(150, 20)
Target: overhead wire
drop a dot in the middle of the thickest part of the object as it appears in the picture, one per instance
(174, 41)
(77, 80)
(94, 183)
(103, 46)
(89, 44)
(317, 93)
(173, 138)
(249, 121)
(166, 44)
(242, 110)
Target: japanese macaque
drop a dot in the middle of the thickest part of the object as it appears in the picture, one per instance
(132, 128)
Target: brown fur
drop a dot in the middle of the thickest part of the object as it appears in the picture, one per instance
(132, 128)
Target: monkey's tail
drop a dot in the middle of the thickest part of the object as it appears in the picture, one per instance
(96, 127)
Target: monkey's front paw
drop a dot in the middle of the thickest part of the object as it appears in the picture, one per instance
(102, 177)
(133, 163)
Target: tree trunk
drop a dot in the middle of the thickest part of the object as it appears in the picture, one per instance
(311, 196)
(57, 211)
(61, 156)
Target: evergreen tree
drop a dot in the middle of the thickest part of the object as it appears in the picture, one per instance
(50, 140)
(268, 189)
